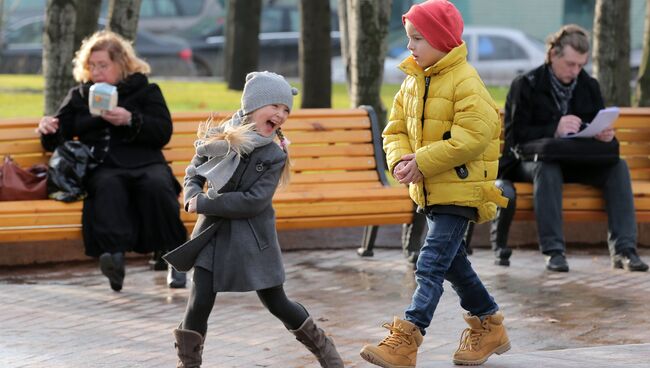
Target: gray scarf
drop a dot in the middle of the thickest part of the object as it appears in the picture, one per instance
(561, 93)
(224, 154)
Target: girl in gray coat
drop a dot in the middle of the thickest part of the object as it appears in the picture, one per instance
(234, 245)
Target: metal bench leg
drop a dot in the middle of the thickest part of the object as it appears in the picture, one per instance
(368, 242)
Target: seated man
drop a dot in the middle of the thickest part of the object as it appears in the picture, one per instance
(551, 101)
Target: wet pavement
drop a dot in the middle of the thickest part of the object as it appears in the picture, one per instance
(67, 316)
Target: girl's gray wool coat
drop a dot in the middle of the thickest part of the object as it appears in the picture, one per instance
(238, 226)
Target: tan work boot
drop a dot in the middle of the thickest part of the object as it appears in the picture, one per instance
(481, 340)
(399, 349)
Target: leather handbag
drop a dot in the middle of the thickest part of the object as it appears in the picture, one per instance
(18, 184)
(570, 151)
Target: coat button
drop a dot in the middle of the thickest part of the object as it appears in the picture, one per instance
(259, 167)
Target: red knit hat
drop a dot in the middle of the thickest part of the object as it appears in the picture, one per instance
(439, 22)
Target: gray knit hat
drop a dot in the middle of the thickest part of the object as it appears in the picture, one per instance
(266, 88)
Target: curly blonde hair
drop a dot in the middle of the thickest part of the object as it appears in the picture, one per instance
(119, 50)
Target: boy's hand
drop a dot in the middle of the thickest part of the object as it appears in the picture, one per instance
(569, 124)
(397, 169)
(410, 173)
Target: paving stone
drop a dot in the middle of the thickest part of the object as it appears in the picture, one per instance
(66, 315)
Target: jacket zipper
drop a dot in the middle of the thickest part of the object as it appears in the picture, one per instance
(427, 80)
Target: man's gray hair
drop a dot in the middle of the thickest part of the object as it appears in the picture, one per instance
(569, 35)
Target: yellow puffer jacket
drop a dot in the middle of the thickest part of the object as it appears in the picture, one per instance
(457, 145)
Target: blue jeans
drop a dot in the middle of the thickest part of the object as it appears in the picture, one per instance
(443, 257)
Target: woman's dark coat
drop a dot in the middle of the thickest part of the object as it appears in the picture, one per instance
(135, 150)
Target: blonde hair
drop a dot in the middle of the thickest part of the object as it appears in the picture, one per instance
(569, 35)
(208, 131)
(119, 50)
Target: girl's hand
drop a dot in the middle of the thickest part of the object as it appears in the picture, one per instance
(119, 116)
(48, 125)
(191, 206)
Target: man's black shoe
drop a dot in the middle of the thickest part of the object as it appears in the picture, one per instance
(629, 260)
(556, 262)
(502, 256)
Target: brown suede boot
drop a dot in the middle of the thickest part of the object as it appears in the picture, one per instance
(399, 349)
(320, 345)
(481, 340)
(189, 347)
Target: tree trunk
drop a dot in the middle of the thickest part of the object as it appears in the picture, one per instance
(123, 16)
(345, 39)
(315, 52)
(642, 96)
(368, 28)
(58, 50)
(67, 23)
(612, 50)
(87, 17)
(242, 41)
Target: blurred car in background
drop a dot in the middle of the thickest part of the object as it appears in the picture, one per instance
(498, 54)
(279, 39)
(21, 50)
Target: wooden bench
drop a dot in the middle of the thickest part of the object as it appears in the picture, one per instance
(338, 177)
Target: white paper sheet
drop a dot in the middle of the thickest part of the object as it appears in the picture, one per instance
(603, 120)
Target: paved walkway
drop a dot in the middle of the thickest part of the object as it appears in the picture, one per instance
(66, 316)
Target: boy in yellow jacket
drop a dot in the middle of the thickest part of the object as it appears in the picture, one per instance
(442, 139)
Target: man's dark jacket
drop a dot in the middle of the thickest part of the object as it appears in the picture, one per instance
(531, 112)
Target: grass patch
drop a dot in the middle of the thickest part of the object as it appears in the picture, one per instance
(22, 95)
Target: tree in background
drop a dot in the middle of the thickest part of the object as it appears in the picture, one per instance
(642, 95)
(242, 41)
(67, 23)
(611, 52)
(364, 26)
(123, 16)
(315, 52)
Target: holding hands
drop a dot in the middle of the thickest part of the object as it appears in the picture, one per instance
(407, 171)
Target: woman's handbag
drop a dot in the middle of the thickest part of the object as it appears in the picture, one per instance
(17, 184)
(68, 166)
(570, 151)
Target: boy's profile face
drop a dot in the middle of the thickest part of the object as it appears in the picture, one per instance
(423, 53)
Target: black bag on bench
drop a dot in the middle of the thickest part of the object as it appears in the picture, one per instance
(570, 151)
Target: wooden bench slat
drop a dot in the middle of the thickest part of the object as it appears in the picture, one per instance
(183, 153)
(286, 210)
(339, 221)
(332, 163)
(369, 194)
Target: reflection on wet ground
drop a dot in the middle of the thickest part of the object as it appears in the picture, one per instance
(350, 297)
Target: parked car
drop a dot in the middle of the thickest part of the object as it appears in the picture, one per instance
(498, 54)
(279, 38)
(21, 50)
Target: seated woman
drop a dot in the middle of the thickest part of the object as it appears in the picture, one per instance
(132, 202)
